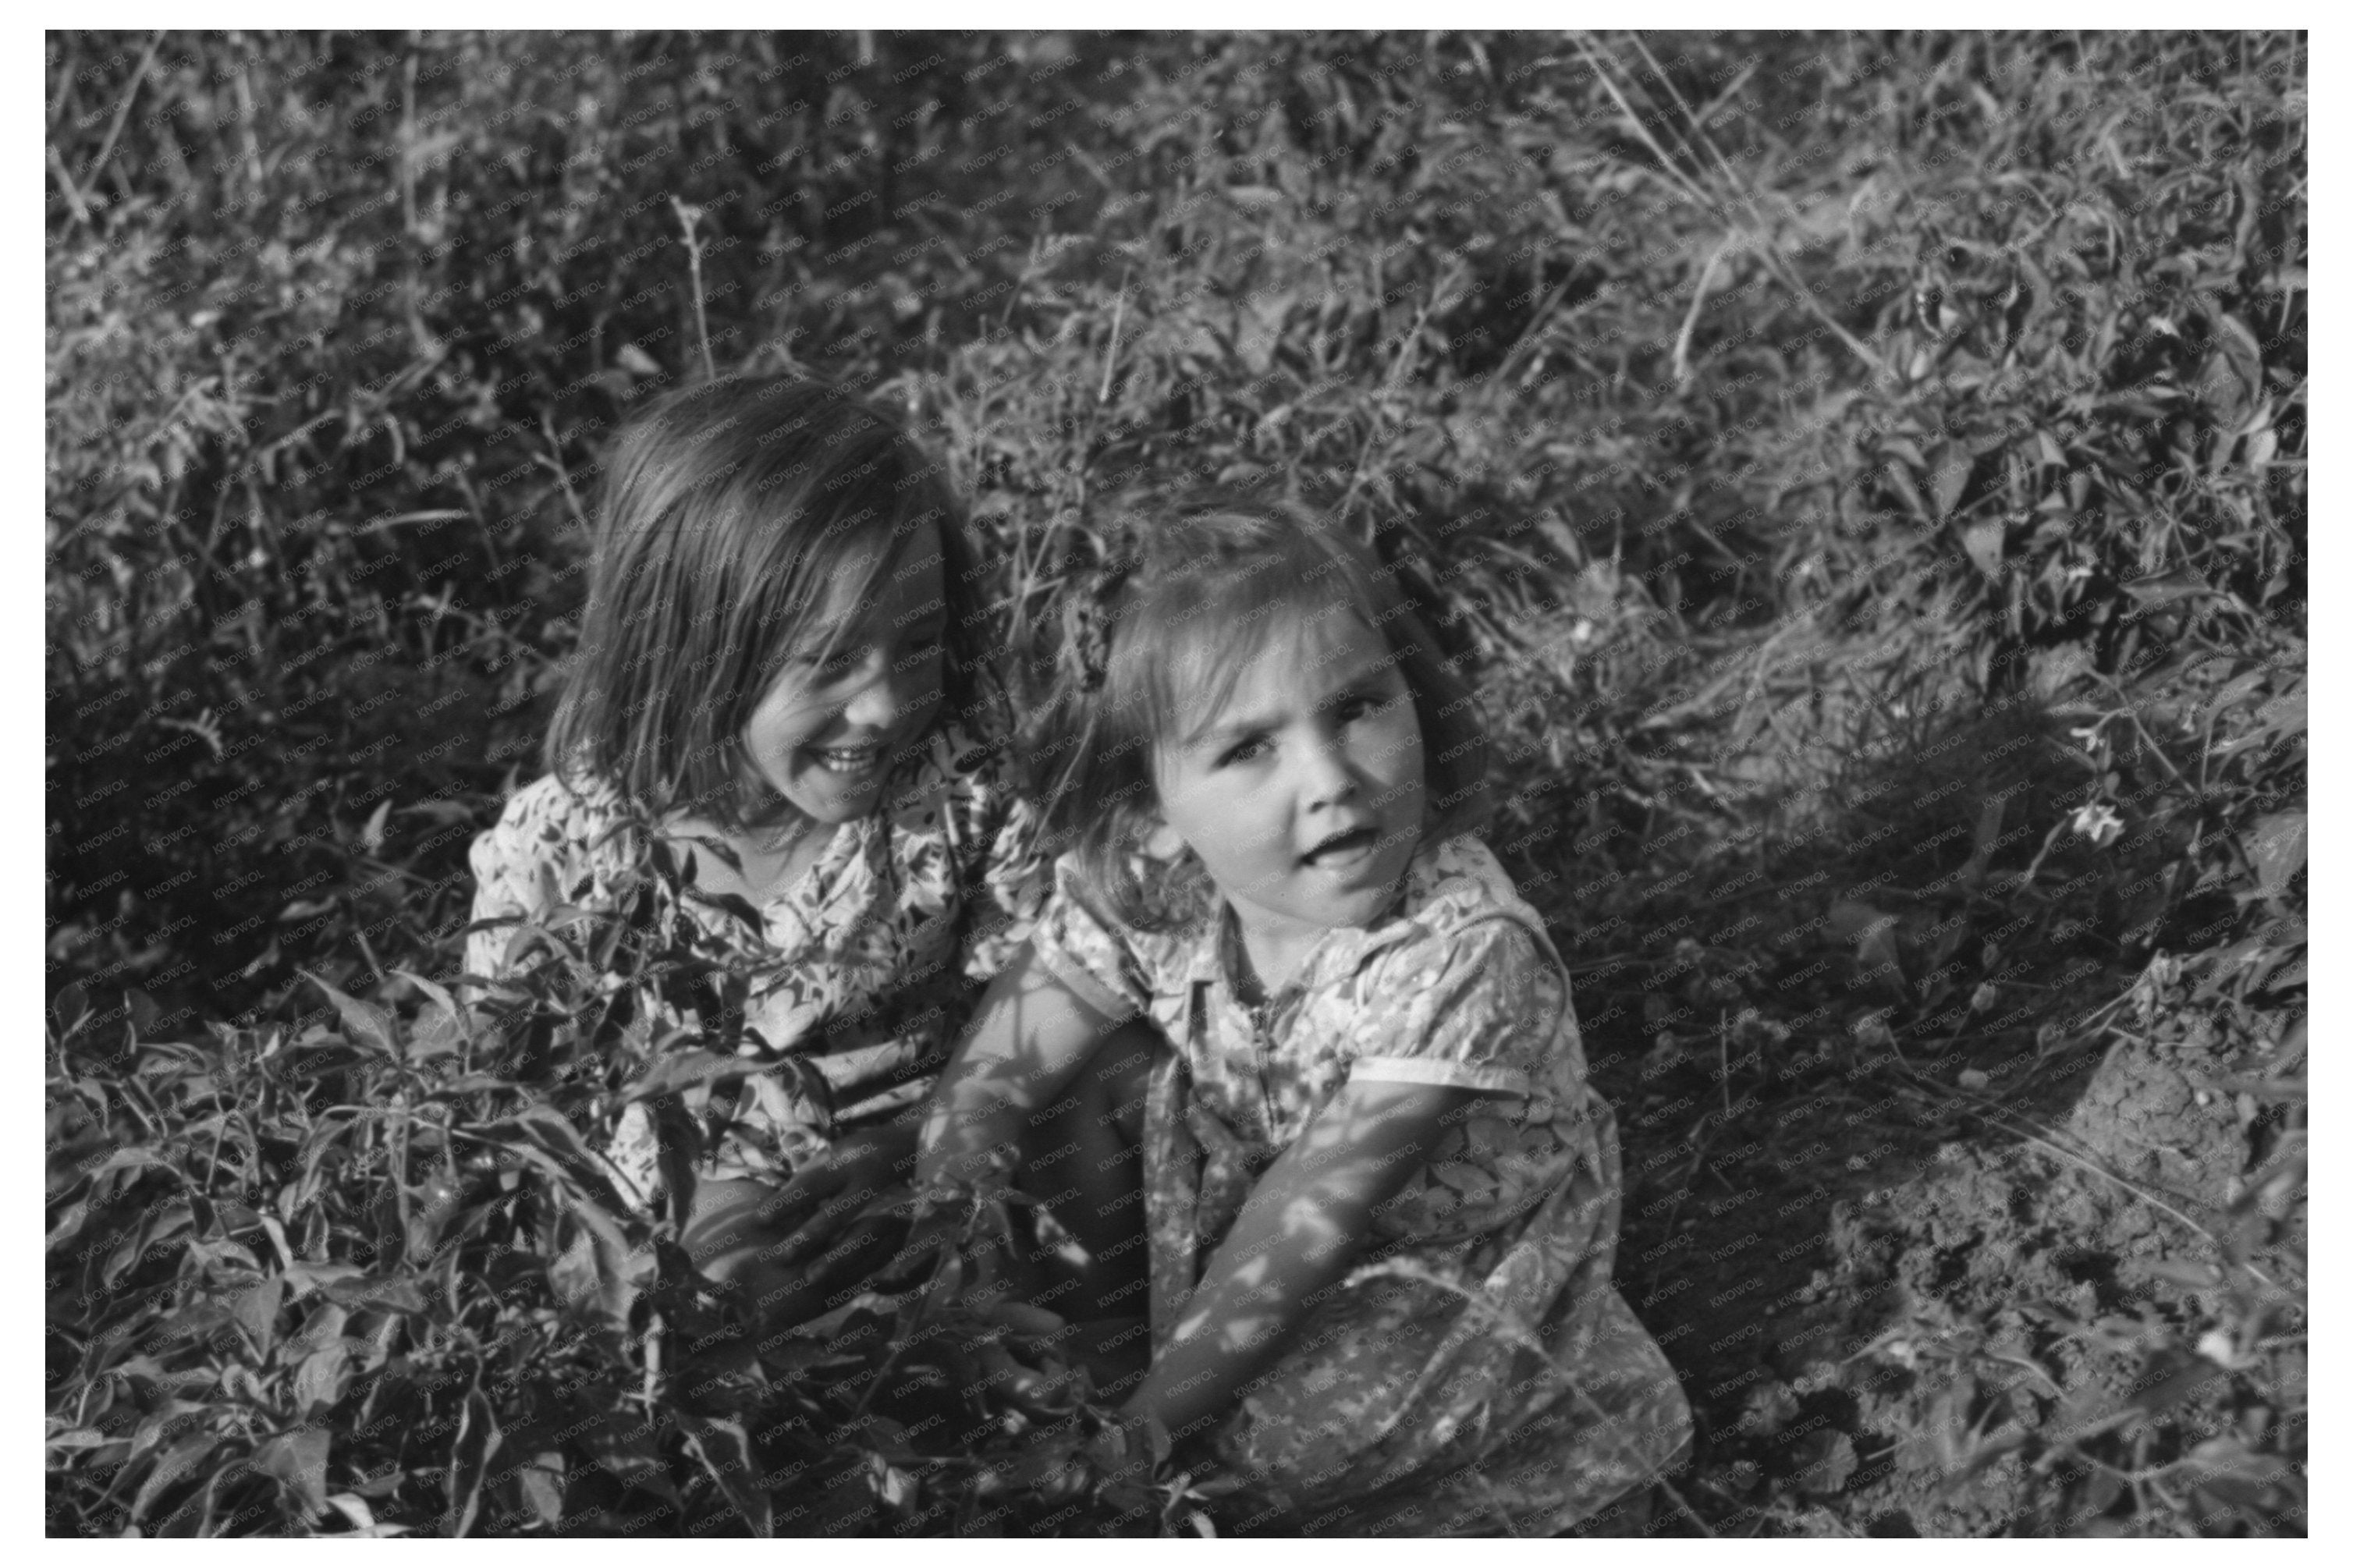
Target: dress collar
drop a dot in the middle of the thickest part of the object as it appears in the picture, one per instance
(1341, 950)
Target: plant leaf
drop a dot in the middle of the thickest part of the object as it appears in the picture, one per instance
(2278, 850)
(2236, 1474)
(255, 1306)
(599, 1270)
(364, 1022)
(1982, 539)
(178, 1460)
(625, 1449)
(542, 1482)
(469, 1460)
(397, 1293)
(2175, 1387)
(298, 1458)
(1949, 476)
(725, 1450)
(319, 1380)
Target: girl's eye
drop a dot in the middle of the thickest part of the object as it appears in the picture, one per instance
(833, 667)
(1243, 751)
(926, 651)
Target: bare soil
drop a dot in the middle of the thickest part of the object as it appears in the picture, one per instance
(1893, 1319)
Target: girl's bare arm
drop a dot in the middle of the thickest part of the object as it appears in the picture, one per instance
(1302, 1227)
(1027, 1039)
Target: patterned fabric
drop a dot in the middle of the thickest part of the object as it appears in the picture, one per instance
(862, 972)
(1412, 1400)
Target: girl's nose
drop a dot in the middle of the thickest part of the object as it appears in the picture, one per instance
(875, 704)
(1326, 777)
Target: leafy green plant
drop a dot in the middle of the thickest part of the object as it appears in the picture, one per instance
(367, 1277)
(1794, 426)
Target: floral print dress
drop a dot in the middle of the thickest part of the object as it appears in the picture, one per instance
(903, 914)
(1478, 1372)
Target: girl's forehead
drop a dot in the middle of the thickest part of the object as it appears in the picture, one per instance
(1308, 635)
(1295, 655)
(880, 576)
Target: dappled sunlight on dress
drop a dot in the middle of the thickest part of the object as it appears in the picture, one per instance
(1414, 1400)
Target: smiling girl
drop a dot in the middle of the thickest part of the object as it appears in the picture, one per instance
(1271, 776)
(779, 678)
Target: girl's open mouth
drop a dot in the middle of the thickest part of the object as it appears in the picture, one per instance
(1343, 850)
(851, 761)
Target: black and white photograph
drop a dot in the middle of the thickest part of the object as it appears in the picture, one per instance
(1333, 782)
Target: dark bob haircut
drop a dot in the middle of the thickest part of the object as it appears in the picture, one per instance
(732, 514)
(1155, 649)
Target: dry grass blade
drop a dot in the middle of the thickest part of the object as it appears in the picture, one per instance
(1508, 1326)
(1773, 650)
(2048, 1139)
(1757, 238)
(122, 112)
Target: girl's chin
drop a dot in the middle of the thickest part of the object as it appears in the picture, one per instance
(1345, 907)
(1370, 872)
(834, 800)
(1362, 908)
(824, 796)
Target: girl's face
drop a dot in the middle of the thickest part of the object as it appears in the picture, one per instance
(826, 733)
(1304, 796)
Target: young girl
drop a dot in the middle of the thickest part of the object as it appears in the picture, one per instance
(779, 661)
(1269, 774)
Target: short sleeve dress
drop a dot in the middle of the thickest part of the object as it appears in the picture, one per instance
(904, 913)
(1478, 1372)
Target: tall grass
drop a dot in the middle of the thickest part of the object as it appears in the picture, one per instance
(1787, 420)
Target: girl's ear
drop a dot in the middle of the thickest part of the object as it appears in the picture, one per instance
(1161, 841)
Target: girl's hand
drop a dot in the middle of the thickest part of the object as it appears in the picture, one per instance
(777, 1238)
(1127, 1450)
(789, 1295)
(965, 1216)
(1130, 1449)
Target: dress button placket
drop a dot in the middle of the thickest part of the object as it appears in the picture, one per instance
(1261, 1060)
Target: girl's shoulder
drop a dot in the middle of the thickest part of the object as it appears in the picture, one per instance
(556, 841)
(1079, 930)
(1463, 974)
(558, 820)
(581, 807)
(1457, 883)
(1458, 901)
